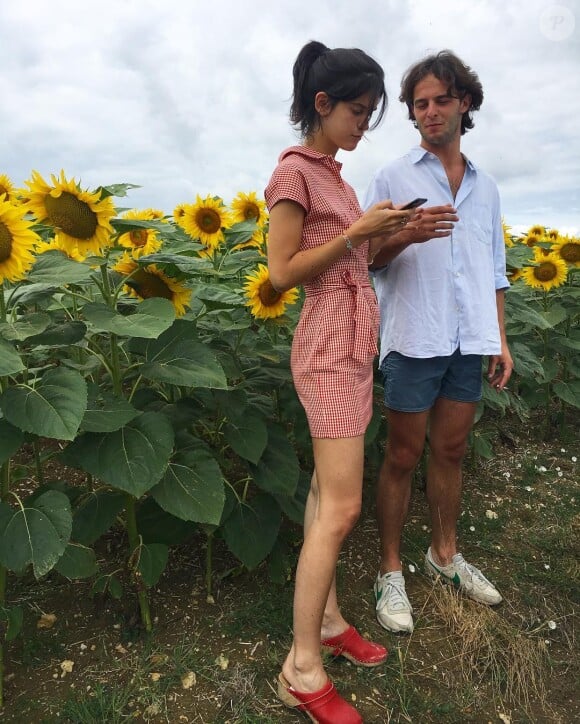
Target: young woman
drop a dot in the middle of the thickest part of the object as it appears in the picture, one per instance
(320, 238)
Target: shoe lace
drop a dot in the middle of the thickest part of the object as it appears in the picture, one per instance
(394, 591)
(472, 571)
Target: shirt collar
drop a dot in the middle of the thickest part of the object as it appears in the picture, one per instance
(418, 153)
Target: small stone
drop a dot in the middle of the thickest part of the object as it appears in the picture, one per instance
(154, 676)
(223, 662)
(188, 680)
(47, 620)
(66, 667)
(491, 514)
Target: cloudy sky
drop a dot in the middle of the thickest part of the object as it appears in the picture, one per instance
(187, 98)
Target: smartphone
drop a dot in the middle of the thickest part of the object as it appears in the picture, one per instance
(413, 204)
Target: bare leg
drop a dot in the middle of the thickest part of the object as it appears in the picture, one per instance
(450, 423)
(333, 622)
(405, 440)
(331, 516)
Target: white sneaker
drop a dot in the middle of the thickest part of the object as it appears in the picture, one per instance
(464, 576)
(393, 607)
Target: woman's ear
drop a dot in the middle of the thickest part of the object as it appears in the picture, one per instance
(322, 103)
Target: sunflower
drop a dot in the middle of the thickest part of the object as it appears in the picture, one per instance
(17, 242)
(551, 271)
(507, 237)
(537, 230)
(513, 275)
(179, 213)
(264, 301)
(140, 241)
(531, 239)
(247, 207)
(553, 234)
(205, 220)
(145, 282)
(6, 188)
(568, 249)
(57, 245)
(80, 217)
(540, 252)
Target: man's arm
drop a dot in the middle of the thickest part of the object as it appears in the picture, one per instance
(434, 222)
(500, 366)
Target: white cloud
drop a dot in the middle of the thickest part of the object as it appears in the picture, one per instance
(188, 98)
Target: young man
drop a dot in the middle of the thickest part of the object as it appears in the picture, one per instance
(441, 306)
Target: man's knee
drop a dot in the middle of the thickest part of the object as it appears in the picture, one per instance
(402, 458)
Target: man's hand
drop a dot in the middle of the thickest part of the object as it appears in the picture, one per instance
(433, 222)
(500, 368)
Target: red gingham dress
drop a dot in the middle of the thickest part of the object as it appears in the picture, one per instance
(335, 341)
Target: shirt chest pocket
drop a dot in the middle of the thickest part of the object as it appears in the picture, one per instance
(480, 227)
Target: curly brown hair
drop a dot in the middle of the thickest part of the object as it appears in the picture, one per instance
(448, 68)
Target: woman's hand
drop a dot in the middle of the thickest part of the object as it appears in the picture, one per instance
(382, 219)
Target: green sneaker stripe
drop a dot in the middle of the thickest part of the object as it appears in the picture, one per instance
(455, 580)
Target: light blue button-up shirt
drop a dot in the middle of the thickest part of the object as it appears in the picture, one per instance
(441, 295)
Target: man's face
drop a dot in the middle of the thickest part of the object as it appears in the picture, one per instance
(437, 113)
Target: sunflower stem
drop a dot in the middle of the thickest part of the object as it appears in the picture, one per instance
(2, 303)
(37, 462)
(208, 563)
(4, 492)
(134, 544)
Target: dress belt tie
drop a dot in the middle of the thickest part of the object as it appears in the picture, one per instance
(364, 343)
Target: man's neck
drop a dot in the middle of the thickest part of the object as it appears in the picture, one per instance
(449, 154)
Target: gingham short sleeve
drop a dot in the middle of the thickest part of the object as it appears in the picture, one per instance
(287, 184)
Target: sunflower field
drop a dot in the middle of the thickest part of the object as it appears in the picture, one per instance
(150, 353)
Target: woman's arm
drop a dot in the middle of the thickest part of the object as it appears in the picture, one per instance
(289, 266)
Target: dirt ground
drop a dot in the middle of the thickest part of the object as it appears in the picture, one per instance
(216, 659)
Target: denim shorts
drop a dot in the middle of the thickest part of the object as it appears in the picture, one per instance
(412, 384)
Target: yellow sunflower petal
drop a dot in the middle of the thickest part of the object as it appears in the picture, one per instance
(264, 301)
(141, 241)
(247, 207)
(79, 216)
(146, 282)
(567, 248)
(551, 271)
(7, 188)
(17, 242)
(205, 220)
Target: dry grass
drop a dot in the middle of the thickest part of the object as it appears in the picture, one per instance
(512, 664)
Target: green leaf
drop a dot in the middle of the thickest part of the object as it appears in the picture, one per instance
(11, 438)
(152, 562)
(77, 562)
(116, 189)
(54, 407)
(247, 436)
(555, 315)
(105, 412)
(54, 267)
(32, 293)
(10, 361)
(60, 335)
(33, 323)
(108, 584)
(14, 617)
(157, 526)
(177, 357)
(569, 392)
(36, 533)
(132, 459)
(571, 342)
(278, 469)
(95, 514)
(218, 296)
(526, 363)
(192, 487)
(151, 318)
(251, 530)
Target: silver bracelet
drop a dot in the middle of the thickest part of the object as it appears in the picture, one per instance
(347, 242)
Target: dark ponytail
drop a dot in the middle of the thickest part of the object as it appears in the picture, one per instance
(342, 73)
